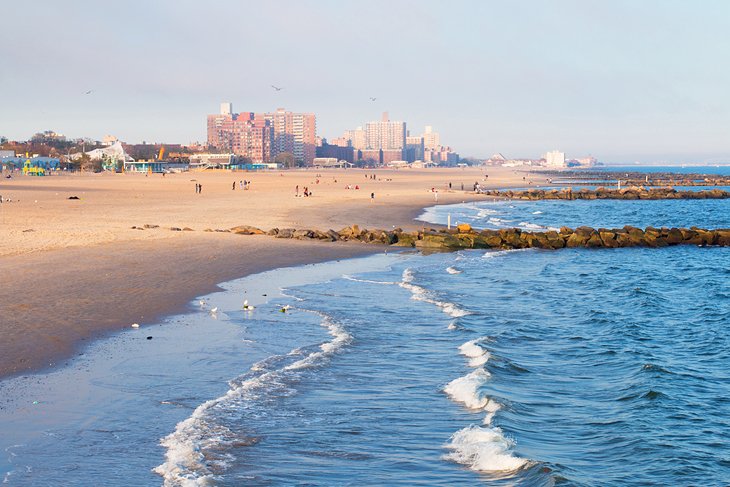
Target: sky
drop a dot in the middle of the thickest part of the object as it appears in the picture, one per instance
(625, 81)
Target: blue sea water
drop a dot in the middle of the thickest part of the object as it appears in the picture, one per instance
(552, 214)
(573, 367)
(722, 170)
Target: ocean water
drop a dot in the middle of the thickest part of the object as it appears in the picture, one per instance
(722, 170)
(519, 368)
(552, 214)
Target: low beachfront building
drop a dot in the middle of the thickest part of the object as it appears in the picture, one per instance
(156, 167)
(330, 162)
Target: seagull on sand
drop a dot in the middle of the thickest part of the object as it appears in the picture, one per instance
(277, 88)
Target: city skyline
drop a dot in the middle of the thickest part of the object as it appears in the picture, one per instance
(623, 81)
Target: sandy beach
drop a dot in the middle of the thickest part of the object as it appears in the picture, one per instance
(75, 270)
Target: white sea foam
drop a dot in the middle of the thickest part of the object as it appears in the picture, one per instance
(484, 449)
(466, 389)
(486, 211)
(193, 449)
(538, 212)
(477, 355)
(357, 279)
(419, 293)
(531, 226)
(453, 270)
(481, 448)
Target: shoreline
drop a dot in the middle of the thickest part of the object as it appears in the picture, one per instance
(105, 291)
(76, 271)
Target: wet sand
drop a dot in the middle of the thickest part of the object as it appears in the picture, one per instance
(75, 270)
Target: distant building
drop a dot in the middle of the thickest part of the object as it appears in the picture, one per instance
(431, 139)
(295, 133)
(414, 149)
(340, 141)
(336, 151)
(386, 134)
(555, 159)
(109, 140)
(227, 108)
(244, 134)
(357, 138)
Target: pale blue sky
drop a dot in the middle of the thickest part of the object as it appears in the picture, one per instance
(642, 80)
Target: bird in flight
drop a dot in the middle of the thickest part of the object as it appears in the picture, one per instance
(89, 92)
(372, 98)
(277, 88)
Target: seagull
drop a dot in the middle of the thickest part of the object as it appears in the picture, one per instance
(201, 303)
(277, 88)
(247, 306)
(89, 92)
(372, 98)
(214, 310)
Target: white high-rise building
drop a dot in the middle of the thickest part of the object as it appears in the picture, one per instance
(385, 135)
(555, 159)
(226, 108)
(431, 139)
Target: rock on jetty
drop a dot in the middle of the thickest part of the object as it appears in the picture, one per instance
(629, 193)
(464, 237)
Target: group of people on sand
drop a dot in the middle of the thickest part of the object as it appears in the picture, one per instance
(306, 191)
(243, 184)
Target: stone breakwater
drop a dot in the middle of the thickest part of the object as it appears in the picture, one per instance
(641, 179)
(464, 237)
(629, 193)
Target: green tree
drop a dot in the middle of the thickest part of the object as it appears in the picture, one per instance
(3, 139)
(286, 159)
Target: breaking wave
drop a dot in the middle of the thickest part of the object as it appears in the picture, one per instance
(196, 449)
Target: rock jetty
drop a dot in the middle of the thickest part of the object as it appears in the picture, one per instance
(629, 193)
(633, 178)
(465, 237)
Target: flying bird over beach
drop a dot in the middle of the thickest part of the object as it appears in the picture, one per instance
(372, 98)
(88, 92)
(277, 88)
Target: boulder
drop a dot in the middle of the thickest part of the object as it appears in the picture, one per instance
(405, 240)
(246, 230)
(285, 233)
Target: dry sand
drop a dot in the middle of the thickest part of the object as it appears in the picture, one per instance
(73, 270)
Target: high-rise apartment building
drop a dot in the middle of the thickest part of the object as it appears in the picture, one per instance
(245, 134)
(414, 149)
(356, 138)
(385, 134)
(295, 133)
(431, 139)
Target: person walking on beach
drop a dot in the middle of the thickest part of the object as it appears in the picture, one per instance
(372, 197)
(234, 186)
(200, 188)
(296, 190)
